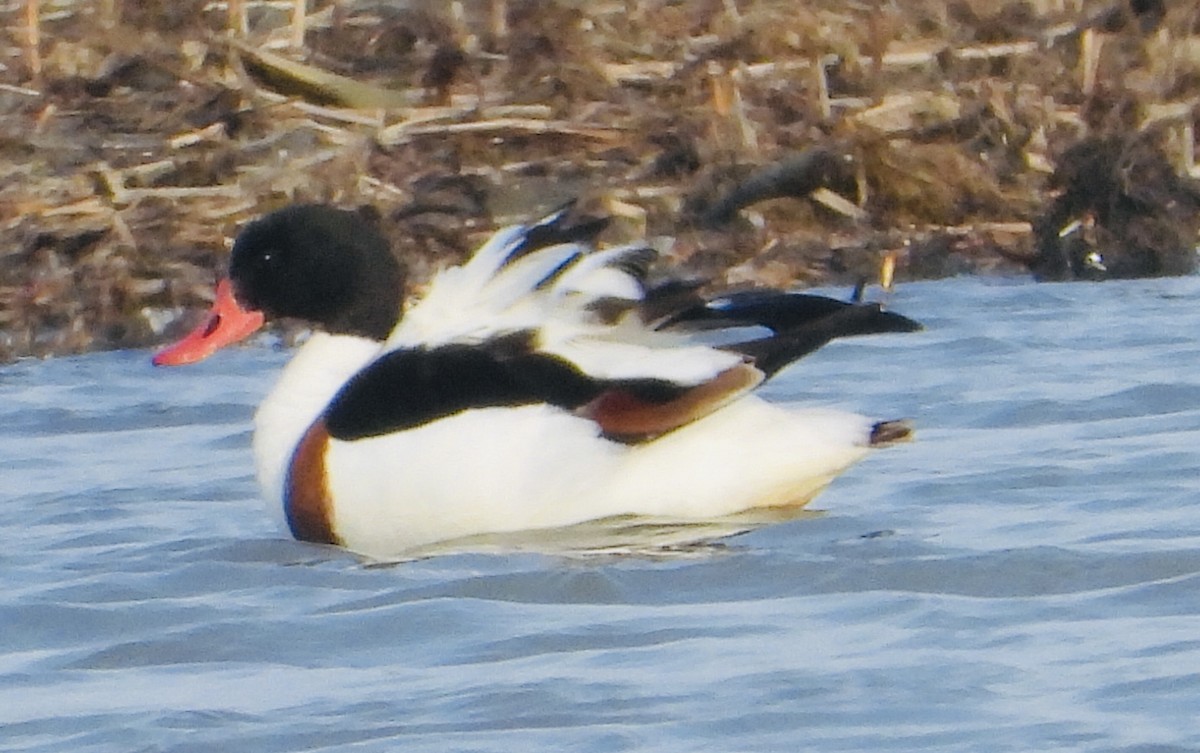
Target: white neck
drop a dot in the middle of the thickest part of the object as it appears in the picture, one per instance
(309, 381)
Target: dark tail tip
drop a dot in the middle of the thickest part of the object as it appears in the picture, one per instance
(887, 433)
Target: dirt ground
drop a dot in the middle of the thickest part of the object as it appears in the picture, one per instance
(758, 141)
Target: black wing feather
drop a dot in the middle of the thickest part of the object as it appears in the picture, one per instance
(556, 228)
(771, 354)
(799, 322)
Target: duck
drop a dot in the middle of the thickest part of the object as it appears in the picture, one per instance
(548, 381)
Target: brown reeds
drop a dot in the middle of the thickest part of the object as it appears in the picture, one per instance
(140, 137)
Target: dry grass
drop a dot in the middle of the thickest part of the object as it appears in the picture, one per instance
(136, 137)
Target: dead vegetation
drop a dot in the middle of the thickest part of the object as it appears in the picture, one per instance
(777, 142)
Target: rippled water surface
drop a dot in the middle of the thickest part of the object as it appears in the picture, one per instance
(1025, 576)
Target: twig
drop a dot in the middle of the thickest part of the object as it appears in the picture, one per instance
(389, 189)
(838, 203)
(499, 18)
(299, 22)
(91, 205)
(22, 90)
(823, 104)
(1005, 228)
(424, 115)
(239, 22)
(887, 271)
(356, 117)
(732, 11)
(110, 13)
(1157, 113)
(33, 38)
(647, 71)
(316, 83)
(929, 53)
(1089, 57)
(214, 132)
(1187, 147)
(639, 73)
(998, 50)
(404, 132)
(902, 112)
(746, 129)
(120, 194)
(133, 195)
(121, 228)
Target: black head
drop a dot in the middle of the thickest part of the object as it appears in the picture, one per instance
(329, 267)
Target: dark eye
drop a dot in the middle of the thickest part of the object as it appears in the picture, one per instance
(268, 259)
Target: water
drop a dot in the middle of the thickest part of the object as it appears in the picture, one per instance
(1026, 576)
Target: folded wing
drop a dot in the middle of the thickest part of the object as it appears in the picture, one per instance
(539, 316)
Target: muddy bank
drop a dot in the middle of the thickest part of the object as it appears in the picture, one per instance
(776, 142)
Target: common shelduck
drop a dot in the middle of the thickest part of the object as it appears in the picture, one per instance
(543, 383)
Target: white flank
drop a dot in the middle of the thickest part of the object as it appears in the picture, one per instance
(511, 469)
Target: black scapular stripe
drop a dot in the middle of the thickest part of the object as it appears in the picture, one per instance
(408, 388)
